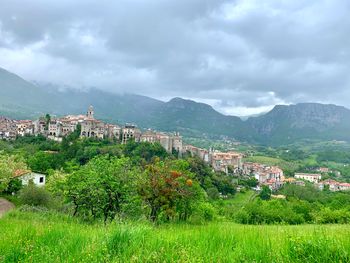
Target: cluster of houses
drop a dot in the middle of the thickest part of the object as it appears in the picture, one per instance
(316, 179)
(271, 176)
(226, 162)
(57, 128)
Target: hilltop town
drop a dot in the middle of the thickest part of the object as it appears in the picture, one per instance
(229, 163)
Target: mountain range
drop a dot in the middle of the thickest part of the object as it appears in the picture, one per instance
(284, 124)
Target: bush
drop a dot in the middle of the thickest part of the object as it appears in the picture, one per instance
(35, 196)
(328, 216)
(204, 212)
(14, 186)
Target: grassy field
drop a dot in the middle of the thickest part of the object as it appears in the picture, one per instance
(229, 207)
(28, 237)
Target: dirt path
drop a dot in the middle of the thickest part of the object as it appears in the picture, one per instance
(5, 206)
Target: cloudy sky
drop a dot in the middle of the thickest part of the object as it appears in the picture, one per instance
(242, 57)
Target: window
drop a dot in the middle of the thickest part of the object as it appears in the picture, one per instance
(41, 179)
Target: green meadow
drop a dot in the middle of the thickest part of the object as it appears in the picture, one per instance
(47, 237)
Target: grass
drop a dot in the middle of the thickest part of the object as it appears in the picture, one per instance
(42, 237)
(228, 208)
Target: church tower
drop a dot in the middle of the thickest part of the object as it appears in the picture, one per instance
(90, 113)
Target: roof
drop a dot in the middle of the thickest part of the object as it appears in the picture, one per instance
(20, 172)
(305, 174)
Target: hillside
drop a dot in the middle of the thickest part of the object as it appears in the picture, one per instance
(282, 125)
(286, 124)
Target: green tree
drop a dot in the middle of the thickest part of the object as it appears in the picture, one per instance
(9, 164)
(265, 193)
(14, 186)
(103, 188)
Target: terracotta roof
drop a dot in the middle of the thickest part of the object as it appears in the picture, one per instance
(20, 172)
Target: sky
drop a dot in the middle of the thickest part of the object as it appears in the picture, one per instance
(242, 57)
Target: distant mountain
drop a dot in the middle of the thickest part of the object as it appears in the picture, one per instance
(197, 119)
(282, 125)
(286, 124)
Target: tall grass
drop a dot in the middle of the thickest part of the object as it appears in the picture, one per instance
(45, 237)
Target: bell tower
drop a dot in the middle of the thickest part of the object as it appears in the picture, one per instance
(90, 113)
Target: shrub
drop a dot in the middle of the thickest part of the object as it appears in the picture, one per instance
(35, 196)
(14, 186)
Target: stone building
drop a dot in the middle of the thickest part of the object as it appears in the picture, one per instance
(113, 132)
(40, 126)
(8, 129)
(130, 132)
(149, 136)
(202, 154)
(55, 129)
(170, 142)
(177, 142)
(225, 161)
(24, 127)
(271, 176)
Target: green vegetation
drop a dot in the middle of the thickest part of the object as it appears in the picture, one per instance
(45, 237)
(137, 203)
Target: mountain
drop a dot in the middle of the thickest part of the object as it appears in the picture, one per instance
(286, 124)
(197, 119)
(282, 125)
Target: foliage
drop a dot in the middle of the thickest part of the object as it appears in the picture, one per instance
(43, 162)
(35, 196)
(103, 188)
(265, 193)
(166, 189)
(8, 165)
(14, 186)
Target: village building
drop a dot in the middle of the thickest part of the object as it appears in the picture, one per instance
(272, 176)
(130, 132)
(313, 178)
(27, 176)
(8, 129)
(40, 126)
(92, 128)
(54, 129)
(289, 180)
(112, 132)
(334, 186)
(24, 127)
(323, 170)
(202, 154)
(149, 136)
(170, 142)
(225, 162)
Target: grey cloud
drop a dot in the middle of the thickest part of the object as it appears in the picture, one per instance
(248, 53)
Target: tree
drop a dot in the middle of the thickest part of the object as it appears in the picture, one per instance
(265, 193)
(43, 162)
(9, 164)
(166, 189)
(103, 188)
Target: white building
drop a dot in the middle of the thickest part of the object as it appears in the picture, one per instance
(27, 176)
(313, 178)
